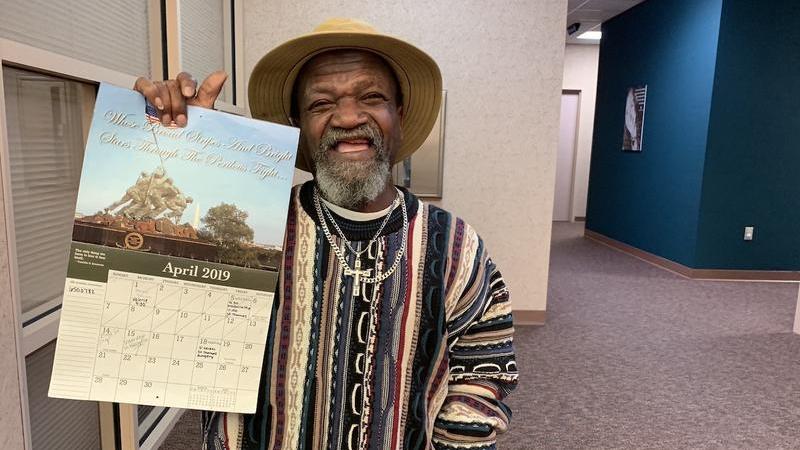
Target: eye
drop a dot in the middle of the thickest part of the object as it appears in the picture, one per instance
(319, 105)
(375, 97)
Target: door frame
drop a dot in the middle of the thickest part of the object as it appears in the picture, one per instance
(578, 93)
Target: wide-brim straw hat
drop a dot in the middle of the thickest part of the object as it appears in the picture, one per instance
(273, 78)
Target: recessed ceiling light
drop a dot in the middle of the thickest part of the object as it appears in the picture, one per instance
(596, 35)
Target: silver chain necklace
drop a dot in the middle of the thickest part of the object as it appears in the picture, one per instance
(358, 253)
(362, 275)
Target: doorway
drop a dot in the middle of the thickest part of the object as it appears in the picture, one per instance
(565, 159)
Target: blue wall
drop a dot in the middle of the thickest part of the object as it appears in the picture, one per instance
(752, 174)
(651, 200)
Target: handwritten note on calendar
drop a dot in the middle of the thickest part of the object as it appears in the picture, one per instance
(176, 244)
(161, 341)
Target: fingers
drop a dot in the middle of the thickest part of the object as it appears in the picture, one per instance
(162, 102)
(178, 102)
(170, 97)
(209, 89)
(157, 93)
(187, 84)
(150, 91)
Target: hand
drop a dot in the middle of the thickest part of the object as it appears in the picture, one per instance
(170, 97)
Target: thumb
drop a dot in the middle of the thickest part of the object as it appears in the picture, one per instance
(209, 90)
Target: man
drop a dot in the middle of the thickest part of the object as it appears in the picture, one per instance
(392, 326)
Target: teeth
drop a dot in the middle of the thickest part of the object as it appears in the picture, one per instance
(348, 147)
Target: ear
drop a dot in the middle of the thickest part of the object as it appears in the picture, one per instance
(401, 115)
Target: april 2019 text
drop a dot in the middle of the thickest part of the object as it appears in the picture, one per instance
(197, 271)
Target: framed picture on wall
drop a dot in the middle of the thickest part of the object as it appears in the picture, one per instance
(421, 173)
(634, 118)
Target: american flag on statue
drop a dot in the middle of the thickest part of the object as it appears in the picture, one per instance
(151, 115)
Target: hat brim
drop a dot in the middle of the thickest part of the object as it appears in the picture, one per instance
(273, 78)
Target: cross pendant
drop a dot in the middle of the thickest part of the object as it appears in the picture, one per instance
(357, 273)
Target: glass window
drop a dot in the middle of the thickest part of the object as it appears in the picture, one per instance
(203, 38)
(58, 423)
(48, 120)
(74, 27)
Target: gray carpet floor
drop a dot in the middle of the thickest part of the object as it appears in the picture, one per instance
(634, 357)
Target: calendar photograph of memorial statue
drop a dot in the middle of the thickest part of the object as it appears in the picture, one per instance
(197, 192)
(173, 263)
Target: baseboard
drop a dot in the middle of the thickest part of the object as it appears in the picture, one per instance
(688, 272)
(529, 317)
(580, 219)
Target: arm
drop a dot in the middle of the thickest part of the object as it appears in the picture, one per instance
(221, 430)
(483, 368)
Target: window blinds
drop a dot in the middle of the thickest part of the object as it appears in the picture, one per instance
(46, 140)
(57, 423)
(112, 34)
(202, 38)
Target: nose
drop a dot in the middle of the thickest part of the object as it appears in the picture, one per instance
(348, 114)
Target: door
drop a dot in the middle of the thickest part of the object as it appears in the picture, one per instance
(565, 160)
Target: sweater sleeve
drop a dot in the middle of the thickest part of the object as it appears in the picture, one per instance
(221, 430)
(483, 367)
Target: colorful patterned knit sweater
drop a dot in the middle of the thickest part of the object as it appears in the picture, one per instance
(421, 360)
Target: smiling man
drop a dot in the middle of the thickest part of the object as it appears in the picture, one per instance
(348, 104)
(392, 326)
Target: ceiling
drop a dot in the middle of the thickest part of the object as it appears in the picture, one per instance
(591, 13)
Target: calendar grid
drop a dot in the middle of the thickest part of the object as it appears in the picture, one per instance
(116, 387)
(171, 345)
(169, 342)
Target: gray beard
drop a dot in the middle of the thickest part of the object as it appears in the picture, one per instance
(352, 184)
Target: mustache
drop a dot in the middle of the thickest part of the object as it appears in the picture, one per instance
(367, 131)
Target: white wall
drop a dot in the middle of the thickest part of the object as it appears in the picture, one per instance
(797, 315)
(11, 426)
(580, 73)
(502, 69)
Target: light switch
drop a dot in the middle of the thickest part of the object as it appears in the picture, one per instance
(748, 233)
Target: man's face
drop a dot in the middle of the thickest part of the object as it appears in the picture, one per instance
(350, 118)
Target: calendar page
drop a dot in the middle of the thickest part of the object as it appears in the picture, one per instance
(177, 239)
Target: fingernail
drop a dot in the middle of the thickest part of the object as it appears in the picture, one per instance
(188, 91)
(166, 119)
(159, 104)
(181, 120)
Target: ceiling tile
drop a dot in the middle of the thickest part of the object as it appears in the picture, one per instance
(597, 10)
(572, 4)
(581, 16)
(612, 5)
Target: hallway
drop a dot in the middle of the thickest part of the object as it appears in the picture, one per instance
(635, 357)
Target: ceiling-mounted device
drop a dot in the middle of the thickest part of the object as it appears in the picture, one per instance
(572, 29)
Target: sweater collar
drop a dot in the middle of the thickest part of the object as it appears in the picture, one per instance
(359, 230)
(358, 216)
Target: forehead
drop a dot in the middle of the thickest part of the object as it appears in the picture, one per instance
(341, 66)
